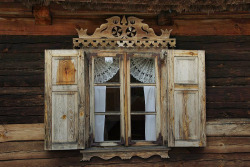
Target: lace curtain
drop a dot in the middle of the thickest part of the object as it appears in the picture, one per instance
(141, 69)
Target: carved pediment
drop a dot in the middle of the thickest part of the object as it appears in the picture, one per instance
(125, 32)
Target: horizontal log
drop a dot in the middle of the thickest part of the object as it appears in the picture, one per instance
(21, 100)
(227, 113)
(35, 96)
(61, 26)
(22, 81)
(37, 80)
(220, 127)
(21, 90)
(35, 114)
(19, 132)
(228, 127)
(228, 81)
(22, 119)
(214, 145)
(228, 94)
(230, 160)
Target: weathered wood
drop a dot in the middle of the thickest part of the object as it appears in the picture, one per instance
(195, 27)
(220, 127)
(188, 160)
(64, 102)
(21, 132)
(42, 15)
(227, 127)
(25, 70)
(187, 98)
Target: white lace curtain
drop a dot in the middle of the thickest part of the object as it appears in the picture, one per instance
(141, 69)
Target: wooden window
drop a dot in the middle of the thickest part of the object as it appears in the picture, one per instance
(87, 109)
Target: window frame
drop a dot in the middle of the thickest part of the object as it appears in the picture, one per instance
(124, 56)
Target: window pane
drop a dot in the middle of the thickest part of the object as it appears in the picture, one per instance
(113, 99)
(143, 99)
(106, 69)
(107, 99)
(138, 127)
(142, 70)
(107, 128)
(137, 99)
(143, 127)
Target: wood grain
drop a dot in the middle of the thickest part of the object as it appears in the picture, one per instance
(219, 127)
(63, 26)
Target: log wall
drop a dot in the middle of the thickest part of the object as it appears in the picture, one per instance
(22, 46)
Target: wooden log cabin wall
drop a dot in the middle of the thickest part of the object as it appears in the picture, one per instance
(25, 32)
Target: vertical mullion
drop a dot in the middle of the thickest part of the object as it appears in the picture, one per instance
(122, 123)
(125, 72)
(157, 100)
(92, 101)
(129, 98)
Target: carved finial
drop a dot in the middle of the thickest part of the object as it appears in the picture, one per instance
(166, 33)
(124, 21)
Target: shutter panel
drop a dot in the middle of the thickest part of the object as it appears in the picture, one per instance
(186, 98)
(64, 99)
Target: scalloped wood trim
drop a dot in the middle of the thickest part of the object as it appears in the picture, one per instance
(124, 153)
(125, 32)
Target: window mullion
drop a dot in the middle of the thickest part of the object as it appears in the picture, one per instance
(126, 100)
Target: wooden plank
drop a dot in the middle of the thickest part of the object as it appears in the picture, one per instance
(187, 108)
(21, 100)
(21, 90)
(228, 127)
(228, 94)
(194, 27)
(219, 127)
(230, 160)
(18, 132)
(34, 149)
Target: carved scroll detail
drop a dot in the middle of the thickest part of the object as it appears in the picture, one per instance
(125, 32)
(124, 155)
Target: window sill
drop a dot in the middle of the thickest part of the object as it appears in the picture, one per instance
(125, 152)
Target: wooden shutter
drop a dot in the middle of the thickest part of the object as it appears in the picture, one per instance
(64, 99)
(186, 98)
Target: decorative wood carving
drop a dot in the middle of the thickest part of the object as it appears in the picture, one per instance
(124, 153)
(125, 32)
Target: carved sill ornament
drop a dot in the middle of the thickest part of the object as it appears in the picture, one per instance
(125, 32)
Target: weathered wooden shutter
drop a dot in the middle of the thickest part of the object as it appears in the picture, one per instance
(64, 99)
(186, 98)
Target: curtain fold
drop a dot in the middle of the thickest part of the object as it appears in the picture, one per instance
(100, 106)
(150, 129)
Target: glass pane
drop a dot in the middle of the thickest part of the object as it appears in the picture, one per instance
(142, 70)
(107, 99)
(138, 127)
(143, 99)
(113, 99)
(106, 69)
(137, 99)
(107, 128)
(143, 127)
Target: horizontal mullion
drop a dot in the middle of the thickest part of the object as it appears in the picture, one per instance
(143, 143)
(186, 86)
(107, 113)
(143, 113)
(64, 88)
(107, 143)
(107, 84)
(142, 84)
